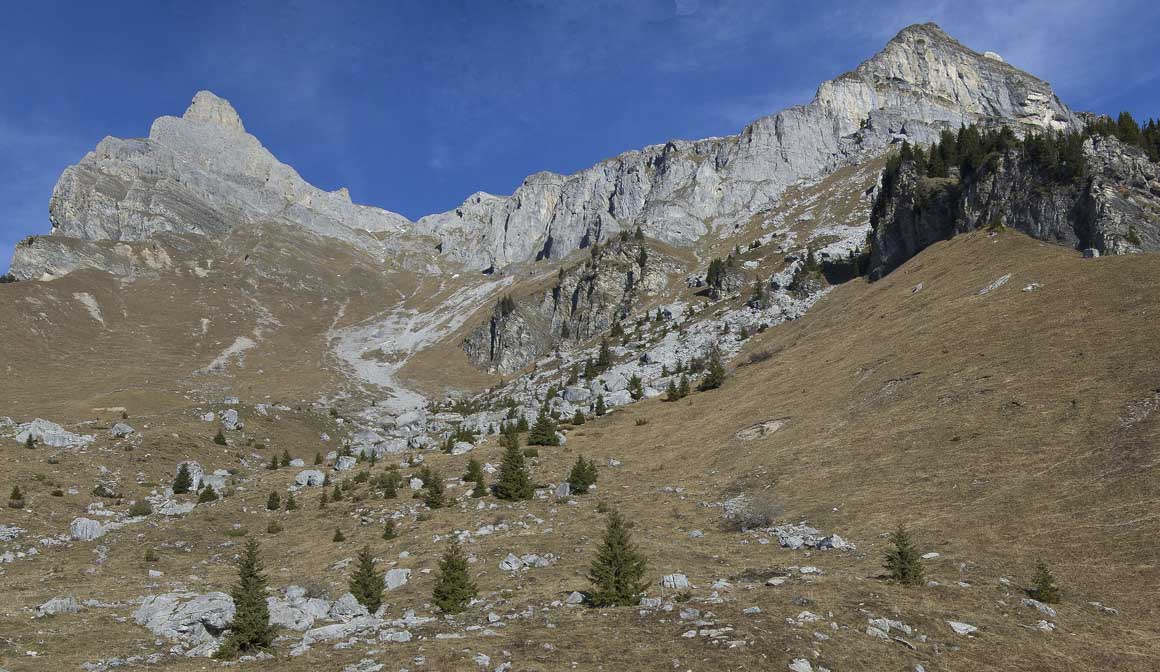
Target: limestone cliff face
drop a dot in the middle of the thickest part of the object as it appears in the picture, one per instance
(202, 174)
(921, 83)
(584, 301)
(1114, 207)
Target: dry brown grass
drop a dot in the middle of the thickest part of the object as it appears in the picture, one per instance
(991, 425)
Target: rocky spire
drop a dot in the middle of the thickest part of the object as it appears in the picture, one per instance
(208, 108)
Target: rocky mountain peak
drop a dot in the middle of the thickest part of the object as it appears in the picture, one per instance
(208, 108)
(202, 173)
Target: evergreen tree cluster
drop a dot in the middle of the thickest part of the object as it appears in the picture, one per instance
(250, 631)
(514, 482)
(617, 573)
(714, 371)
(582, 476)
(454, 588)
(1127, 130)
(366, 584)
(903, 561)
(543, 433)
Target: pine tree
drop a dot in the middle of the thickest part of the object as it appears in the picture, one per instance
(635, 388)
(29, 442)
(291, 504)
(582, 476)
(16, 498)
(285, 458)
(389, 531)
(714, 373)
(671, 393)
(1043, 587)
(521, 424)
(474, 473)
(339, 537)
(480, 489)
(903, 562)
(184, 480)
(219, 438)
(578, 418)
(323, 500)
(207, 495)
(617, 572)
(543, 433)
(683, 387)
(336, 495)
(514, 482)
(317, 459)
(390, 482)
(273, 502)
(600, 409)
(250, 630)
(454, 588)
(590, 371)
(604, 357)
(274, 462)
(365, 583)
(435, 497)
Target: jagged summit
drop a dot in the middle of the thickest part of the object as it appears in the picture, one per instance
(208, 108)
(201, 174)
(921, 83)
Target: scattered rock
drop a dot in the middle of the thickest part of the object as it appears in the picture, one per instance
(58, 605)
(121, 430)
(995, 285)
(396, 578)
(310, 477)
(85, 529)
(1045, 609)
(761, 429)
(189, 619)
(51, 434)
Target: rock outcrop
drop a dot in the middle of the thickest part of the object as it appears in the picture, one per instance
(1114, 207)
(921, 83)
(584, 301)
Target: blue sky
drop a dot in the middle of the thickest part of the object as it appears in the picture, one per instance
(414, 105)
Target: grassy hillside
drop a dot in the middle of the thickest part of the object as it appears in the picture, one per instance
(1001, 428)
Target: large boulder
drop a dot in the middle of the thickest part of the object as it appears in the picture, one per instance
(230, 420)
(121, 430)
(285, 614)
(51, 434)
(347, 608)
(310, 477)
(621, 398)
(192, 620)
(85, 529)
(58, 605)
(397, 578)
(196, 473)
(576, 394)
